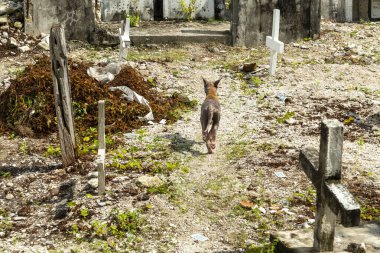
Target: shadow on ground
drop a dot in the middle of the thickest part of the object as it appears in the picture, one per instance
(182, 145)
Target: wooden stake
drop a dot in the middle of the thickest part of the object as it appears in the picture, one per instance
(102, 148)
(62, 94)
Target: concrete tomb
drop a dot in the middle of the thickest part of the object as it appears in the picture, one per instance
(350, 10)
(252, 20)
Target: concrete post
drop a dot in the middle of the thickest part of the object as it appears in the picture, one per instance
(330, 163)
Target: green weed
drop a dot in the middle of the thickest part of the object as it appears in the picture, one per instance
(288, 115)
(188, 9)
(52, 151)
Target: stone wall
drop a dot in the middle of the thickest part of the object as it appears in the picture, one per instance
(77, 16)
(252, 20)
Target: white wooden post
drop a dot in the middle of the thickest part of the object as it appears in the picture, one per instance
(125, 41)
(102, 148)
(273, 43)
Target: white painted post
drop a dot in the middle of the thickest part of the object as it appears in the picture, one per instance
(125, 41)
(273, 43)
(102, 148)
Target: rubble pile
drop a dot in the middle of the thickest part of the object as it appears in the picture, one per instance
(27, 106)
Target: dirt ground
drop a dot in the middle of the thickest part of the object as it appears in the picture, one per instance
(232, 198)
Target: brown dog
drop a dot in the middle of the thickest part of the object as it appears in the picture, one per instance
(210, 115)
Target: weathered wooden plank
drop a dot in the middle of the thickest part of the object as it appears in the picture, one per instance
(62, 94)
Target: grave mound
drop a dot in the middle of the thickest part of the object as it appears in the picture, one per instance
(27, 106)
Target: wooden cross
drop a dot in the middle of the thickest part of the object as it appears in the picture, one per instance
(273, 43)
(324, 170)
(125, 41)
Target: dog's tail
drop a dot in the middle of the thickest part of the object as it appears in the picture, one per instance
(210, 115)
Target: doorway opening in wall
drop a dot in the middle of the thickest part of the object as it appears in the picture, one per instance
(158, 8)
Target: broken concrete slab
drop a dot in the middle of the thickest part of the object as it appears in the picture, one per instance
(301, 241)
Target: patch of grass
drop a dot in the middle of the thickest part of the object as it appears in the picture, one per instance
(6, 224)
(5, 174)
(52, 151)
(188, 9)
(163, 189)
(307, 198)
(288, 115)
(263, 248)
(369, 213)
(163, 55)
(24, 147)
(239, 150)
(118, 226)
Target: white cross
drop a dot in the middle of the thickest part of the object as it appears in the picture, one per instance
(125, 41)
(273, 43)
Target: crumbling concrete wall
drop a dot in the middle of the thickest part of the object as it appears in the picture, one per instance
(113, 10)
(345, 10)
(204, 9)
(78, 17)
(252, 20)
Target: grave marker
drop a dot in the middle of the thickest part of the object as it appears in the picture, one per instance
(273, 43)
(125, 41)
(324, 170)
(62, 94)
(102, 148)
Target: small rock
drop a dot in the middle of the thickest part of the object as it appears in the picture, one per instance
(10, 184)
(120, 179)
(93, 174)
(132, 189)
(24, 49)
(43, 45)
(18, 25)
(291, 121)
(143, 197)
(61, 210)
(356, 248)
(5, 35)
(13, 42)
(19, 218)
(100, 203)
(93, 183)
(2, 234)
(150, 181)
(4, 41)
(9, 196)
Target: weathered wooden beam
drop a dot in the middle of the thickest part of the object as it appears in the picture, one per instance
(62, 94)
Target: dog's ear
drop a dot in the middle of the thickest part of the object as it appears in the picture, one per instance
(217, 82)
(204, 81)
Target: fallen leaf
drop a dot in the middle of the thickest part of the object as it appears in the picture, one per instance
(246, 204)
